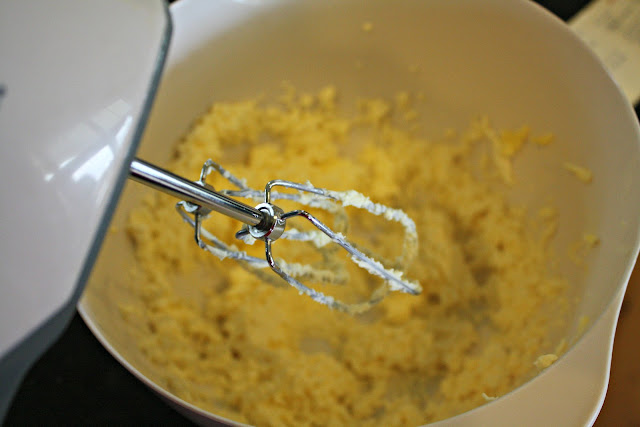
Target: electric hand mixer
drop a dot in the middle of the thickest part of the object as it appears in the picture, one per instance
(71, 117)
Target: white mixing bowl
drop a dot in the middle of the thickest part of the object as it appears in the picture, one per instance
(508, 59)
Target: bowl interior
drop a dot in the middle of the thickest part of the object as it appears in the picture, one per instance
(509, 60)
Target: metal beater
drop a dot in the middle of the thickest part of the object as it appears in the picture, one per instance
(267, 222)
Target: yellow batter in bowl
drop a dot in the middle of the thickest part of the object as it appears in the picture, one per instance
(215, 336)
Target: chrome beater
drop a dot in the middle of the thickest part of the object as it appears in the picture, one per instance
(267, 222)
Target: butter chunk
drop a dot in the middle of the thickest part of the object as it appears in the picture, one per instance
(545, 361)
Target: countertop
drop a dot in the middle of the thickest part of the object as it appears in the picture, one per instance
(623, 396)
(76, 382)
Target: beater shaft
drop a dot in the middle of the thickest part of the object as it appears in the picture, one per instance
(194, 192)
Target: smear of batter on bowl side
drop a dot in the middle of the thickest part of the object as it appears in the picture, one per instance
(580, 172)
(219, 338)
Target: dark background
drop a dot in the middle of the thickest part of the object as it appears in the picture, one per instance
(76, 382)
